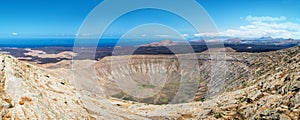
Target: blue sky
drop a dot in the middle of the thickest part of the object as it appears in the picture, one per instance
(235, 18)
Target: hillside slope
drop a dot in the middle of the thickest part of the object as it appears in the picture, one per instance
(28, 92)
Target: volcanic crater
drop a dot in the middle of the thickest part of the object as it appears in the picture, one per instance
(160, 79)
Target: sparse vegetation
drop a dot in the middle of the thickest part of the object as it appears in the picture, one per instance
(10, 106)
(107, 96)
(148, 86)
(242, 99)
(245, 85)
(164, 100)
(218, 115)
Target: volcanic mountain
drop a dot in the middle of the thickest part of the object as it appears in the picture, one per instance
(235, 86)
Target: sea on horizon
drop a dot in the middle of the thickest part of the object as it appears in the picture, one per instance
(64, 42)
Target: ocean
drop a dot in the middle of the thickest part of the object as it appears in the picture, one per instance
(63, 42)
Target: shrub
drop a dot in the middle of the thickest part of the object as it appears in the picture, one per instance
(164, 100)
(148, 86)
(218, 115)
(10, 106)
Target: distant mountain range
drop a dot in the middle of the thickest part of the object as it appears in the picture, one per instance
(259, 41)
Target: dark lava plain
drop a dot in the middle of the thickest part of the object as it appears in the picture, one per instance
(101, 52)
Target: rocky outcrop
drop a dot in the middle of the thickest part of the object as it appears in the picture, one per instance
(28, 92)
(273, 93)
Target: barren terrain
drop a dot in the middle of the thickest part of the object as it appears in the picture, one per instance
(256, 86)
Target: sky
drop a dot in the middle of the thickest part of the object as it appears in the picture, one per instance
(233, 18)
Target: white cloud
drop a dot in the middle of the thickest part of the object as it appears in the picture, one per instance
(163, 36)
(14, 34)
(265, 18)
(276, 27)
(198, 35)
(185, 35)
(206, 34)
